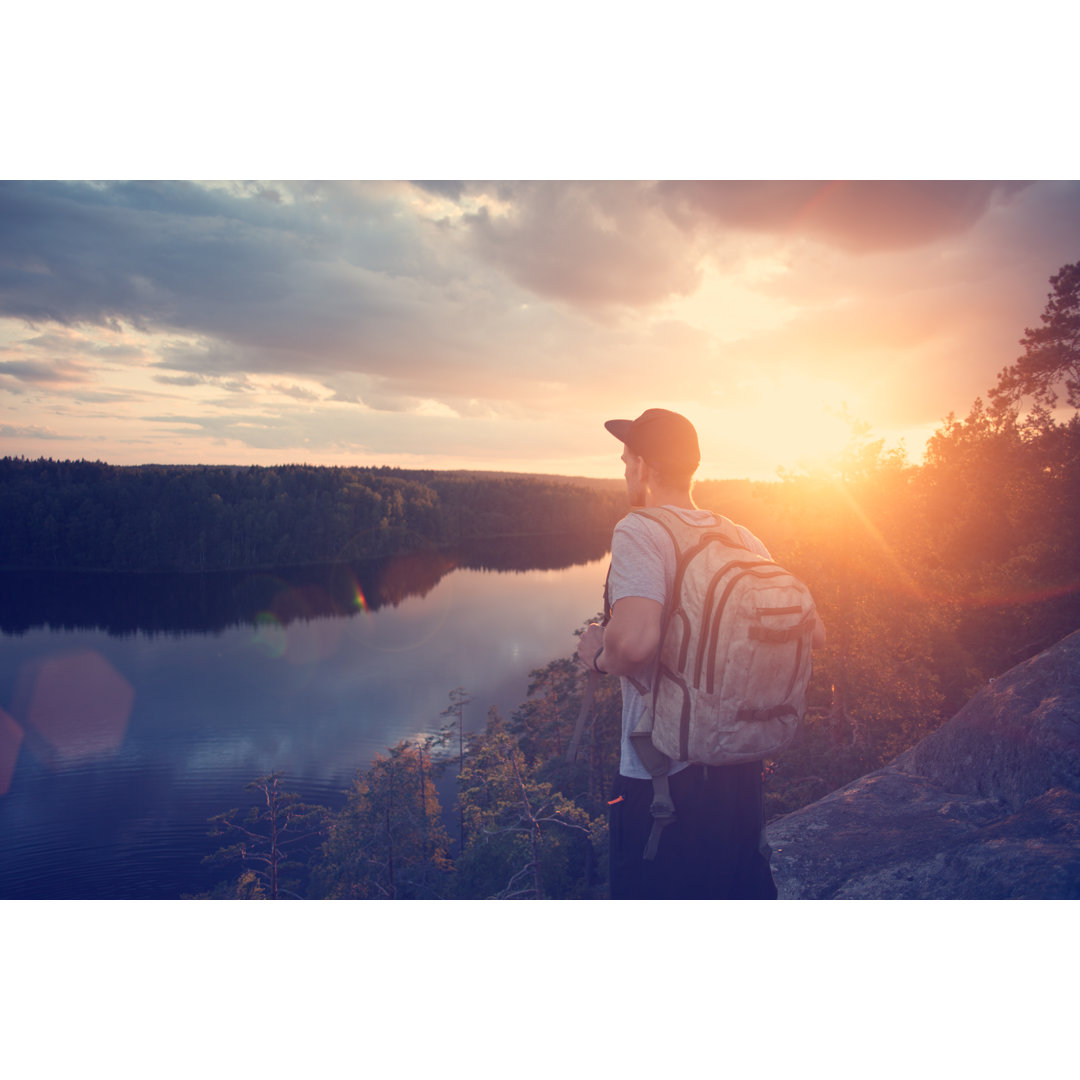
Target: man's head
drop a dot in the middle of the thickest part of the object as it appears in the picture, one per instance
(665, 443)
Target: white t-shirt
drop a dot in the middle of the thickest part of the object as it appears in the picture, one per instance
(643, 564)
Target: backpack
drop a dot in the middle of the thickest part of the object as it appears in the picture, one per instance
(734, 657)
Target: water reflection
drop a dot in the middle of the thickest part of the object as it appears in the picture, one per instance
(132, 709)
(179, 603)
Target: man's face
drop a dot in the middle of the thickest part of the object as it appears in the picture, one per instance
(634, 472)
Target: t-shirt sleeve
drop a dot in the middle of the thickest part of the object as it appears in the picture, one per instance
(637, 562)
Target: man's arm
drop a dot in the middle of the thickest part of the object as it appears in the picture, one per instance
(630, 639)
(818, 641)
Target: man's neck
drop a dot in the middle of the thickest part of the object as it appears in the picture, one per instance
(670, 497)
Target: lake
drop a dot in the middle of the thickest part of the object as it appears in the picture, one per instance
(134, 707)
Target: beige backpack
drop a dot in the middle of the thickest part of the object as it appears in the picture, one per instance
(734, 661)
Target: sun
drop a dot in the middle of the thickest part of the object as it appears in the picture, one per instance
(792, 422)
(810, 432)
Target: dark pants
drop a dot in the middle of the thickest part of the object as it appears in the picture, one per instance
(712, 851)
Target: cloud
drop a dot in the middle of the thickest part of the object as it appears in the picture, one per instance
(8, 431)
(177, 255)
(593, 245)
(45, 372)
(301, 393)
(448, 189)
(181, 380)
(855, 216)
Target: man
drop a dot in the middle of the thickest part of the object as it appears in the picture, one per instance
(715, 847)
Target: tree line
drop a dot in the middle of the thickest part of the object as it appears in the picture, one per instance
(174, 518)
(931, 579)
(176, 603)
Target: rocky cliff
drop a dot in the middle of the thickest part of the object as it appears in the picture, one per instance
(987, 807)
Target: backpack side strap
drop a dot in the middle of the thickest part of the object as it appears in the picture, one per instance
(663, 814)
(663, 806)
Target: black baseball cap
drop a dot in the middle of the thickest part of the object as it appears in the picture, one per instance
(661, 437)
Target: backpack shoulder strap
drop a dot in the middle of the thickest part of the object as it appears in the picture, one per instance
(682, 534)
(685, 535)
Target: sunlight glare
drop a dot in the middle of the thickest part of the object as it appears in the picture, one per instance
(800, 423)
(809, 433)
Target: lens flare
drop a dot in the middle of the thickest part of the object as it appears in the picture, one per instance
(11, 737)
(356, 596)
(73, 706)
(1007, 596)
(1016, 596)
(270, 635)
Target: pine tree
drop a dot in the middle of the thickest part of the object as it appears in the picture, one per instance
(1051, 351)
(388, 842)
(525, 839)
(266, 840)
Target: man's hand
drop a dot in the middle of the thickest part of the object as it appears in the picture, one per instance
(590, 643)
(630, 639)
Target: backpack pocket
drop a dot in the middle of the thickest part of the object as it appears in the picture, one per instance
(751, 693)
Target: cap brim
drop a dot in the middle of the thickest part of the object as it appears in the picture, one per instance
(619, 428)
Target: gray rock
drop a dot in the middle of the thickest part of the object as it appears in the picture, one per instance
(986, 807)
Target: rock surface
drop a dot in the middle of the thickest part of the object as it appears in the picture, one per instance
(986, 807)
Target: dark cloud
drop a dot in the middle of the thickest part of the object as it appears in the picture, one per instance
(301, 393)
(180, 380)
(319, 274)
(154, 255)
(44, 372)
(633, 244)
(241, 385)
(855, 215)
(591, 244)
(448, 189)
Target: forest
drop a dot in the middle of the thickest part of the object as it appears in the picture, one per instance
(83, 515)
(931, 578)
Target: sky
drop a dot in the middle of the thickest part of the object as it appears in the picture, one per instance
(497, 325)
